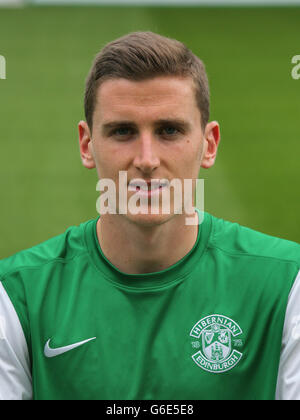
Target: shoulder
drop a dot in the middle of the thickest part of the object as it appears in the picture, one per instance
(238, 240)
(60, 249)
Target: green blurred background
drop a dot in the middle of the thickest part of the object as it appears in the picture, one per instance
(247, 52)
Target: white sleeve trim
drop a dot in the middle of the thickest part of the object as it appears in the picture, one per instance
(15, 371)
(288, 383)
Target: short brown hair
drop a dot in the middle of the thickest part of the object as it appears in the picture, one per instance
(145, 55)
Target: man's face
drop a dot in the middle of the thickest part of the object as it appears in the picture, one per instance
(152, 130)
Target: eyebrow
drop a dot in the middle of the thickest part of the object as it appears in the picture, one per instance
(174, 121)
(108, 126)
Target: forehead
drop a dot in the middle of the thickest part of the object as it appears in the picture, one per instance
(165, 95)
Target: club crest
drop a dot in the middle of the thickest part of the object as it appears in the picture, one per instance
(217, 343)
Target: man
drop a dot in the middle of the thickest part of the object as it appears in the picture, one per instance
(143, 305)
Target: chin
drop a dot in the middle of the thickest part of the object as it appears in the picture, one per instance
(149, 220)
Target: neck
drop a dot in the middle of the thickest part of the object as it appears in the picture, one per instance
(136, 249)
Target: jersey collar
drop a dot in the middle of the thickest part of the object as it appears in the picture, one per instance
(171, 275)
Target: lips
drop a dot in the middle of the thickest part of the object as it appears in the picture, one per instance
(137, 185)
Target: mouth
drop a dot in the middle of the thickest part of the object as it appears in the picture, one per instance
(147, 187)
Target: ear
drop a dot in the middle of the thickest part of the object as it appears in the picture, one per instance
(211, 142)
(85, 145)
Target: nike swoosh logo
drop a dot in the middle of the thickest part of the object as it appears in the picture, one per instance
(50, 352)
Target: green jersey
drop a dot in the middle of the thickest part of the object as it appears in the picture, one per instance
(209, 327)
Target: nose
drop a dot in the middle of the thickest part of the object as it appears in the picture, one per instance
(146, 159)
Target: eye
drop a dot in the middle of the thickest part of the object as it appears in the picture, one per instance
(122, 131)
(169, 131)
